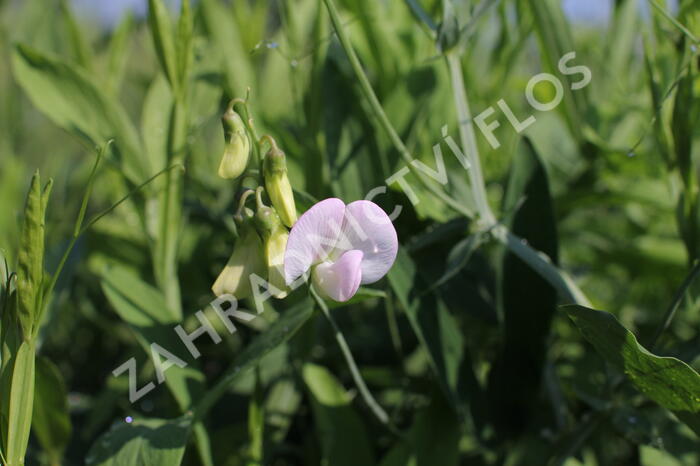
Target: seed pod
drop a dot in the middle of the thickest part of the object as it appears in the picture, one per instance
(278, 187)
(237, 150)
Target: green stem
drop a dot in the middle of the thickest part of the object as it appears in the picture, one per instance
(674, 21)
(468, 139)
(79, 232)
(376, 106)
(535, 259)
(538, 261)
(373, 405)
(171, 213)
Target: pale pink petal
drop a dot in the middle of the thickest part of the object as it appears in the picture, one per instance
(340, 280)
(368, 228)
(312, 237)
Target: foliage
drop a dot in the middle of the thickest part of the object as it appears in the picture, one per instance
(480, 347)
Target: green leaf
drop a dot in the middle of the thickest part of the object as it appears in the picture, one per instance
(184, 42)
(163, 40)
(155, 121)
(682, 127)
(225, 37)
(51, 422)
(528, 301)
(80, 47)
(343, 436)
(554, 34)
(668, 381)
(75, 102)
(19, 420)
(30, 262)
(459, 257)
(152, 442)
(143, 308)
(438, 333)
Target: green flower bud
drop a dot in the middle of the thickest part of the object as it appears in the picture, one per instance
(277, 184)
(274, 237)
(275, 247)
(237, 151)
(247, 257)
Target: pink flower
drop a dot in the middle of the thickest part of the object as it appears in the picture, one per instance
(343, 247)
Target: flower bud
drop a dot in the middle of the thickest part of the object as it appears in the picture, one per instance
(274, 237)
(237, 150)
(247, 258)
(278, 187)
(275, 247)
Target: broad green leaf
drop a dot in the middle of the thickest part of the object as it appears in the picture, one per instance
(283, 401)
(163, 40)
(155, 121)
(80, 47)
(144, 309)
(343, 436)
(74, 101)
(225, 36)
(528, 301)
(152, 442)
(432, 440)
(51, 422)
(438, 333)
(668, 381)
(21, 401)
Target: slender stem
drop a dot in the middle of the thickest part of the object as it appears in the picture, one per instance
(378, 411)
(671, 311)
(535, 259)
(91, 222)
(171, 213)
(376, 106)
(674, 21)
(468, 138)
(394, 328)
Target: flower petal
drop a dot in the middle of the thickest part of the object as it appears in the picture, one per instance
(313, 236)
(340, 280)
(368, 228)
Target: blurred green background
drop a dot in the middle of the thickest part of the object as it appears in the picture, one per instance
(463, 346)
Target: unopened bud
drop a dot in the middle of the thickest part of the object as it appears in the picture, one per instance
(237, 150)
(247, 258)
(278, 187)
(275, 247)
(274, 237)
